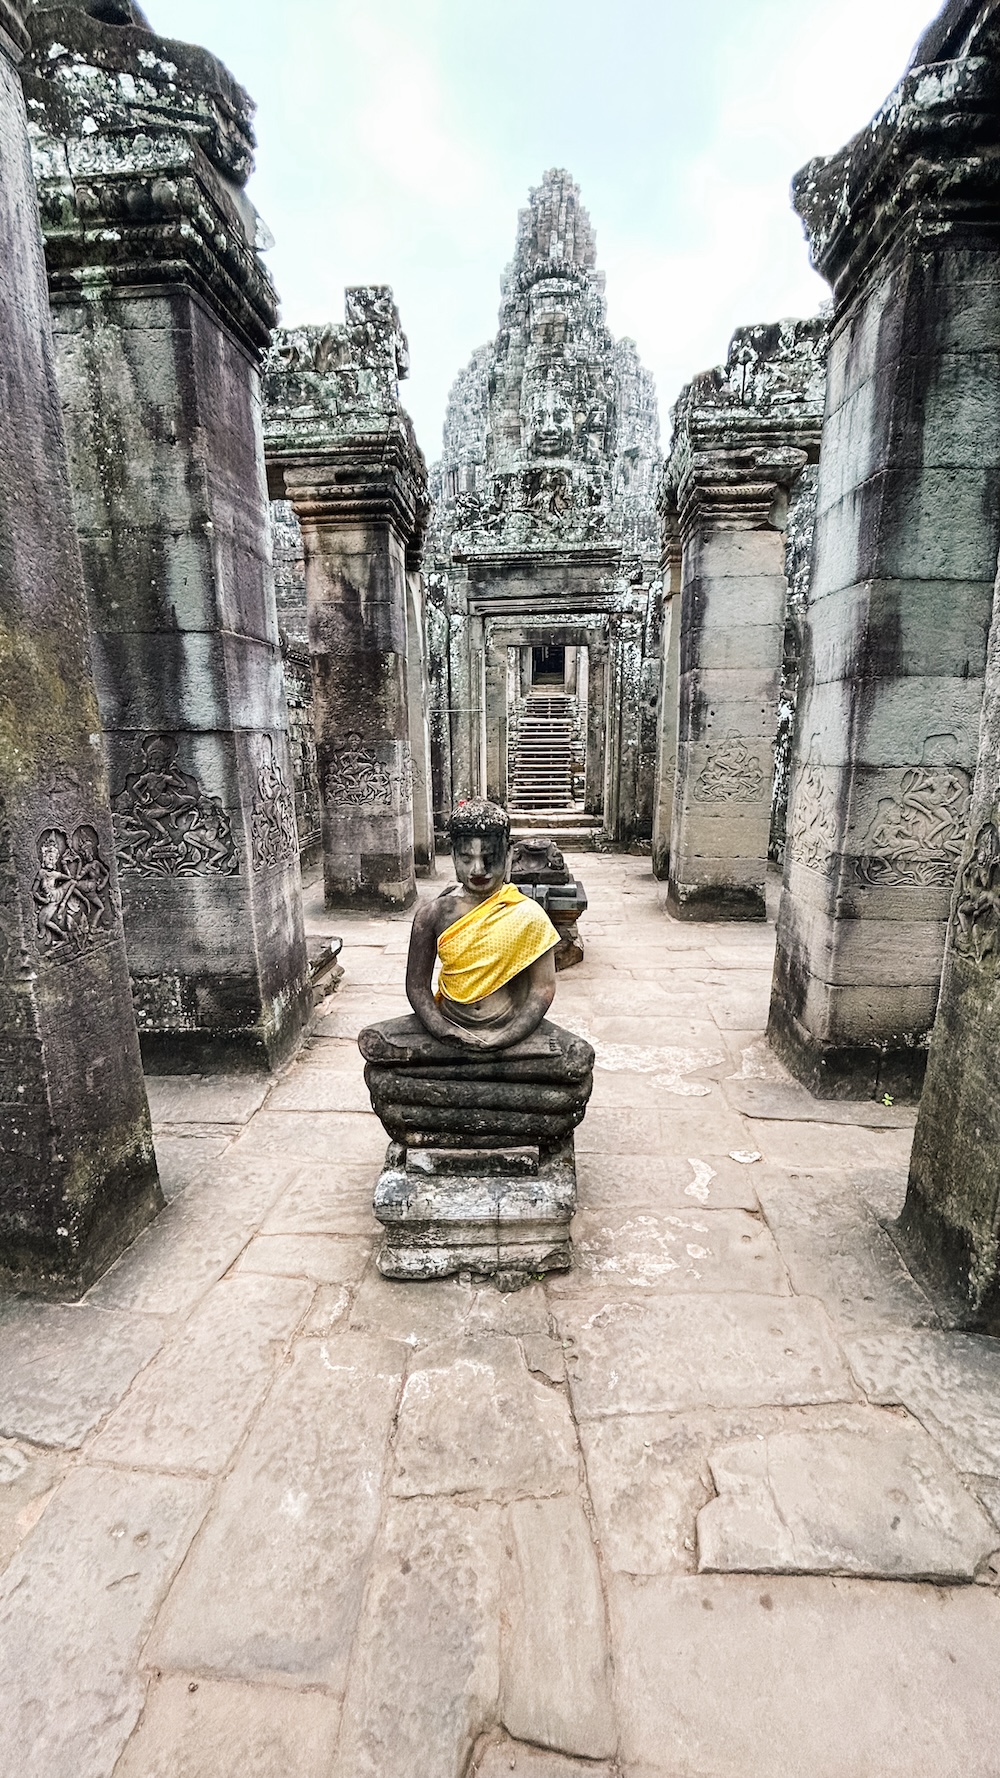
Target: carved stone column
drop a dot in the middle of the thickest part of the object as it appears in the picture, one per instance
(342, 450)
(953, 1202)
(902, 222)
(77, 1174)
(161, 308)
(418, 699)
(742, 435)
(669, 688)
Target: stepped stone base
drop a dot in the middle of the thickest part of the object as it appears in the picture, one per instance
(501, 1213)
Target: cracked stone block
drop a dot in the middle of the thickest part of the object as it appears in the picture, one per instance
(700, 1250)
(675, 1353)
(191, 1406)
(835, 1250)
(425, 1674)
(209, 1728)
(501, 1758)
(474, 1420)
(195, 1240)
(883, 1503)
(556, 1678)
(77, 1602)
(274, 1585)
(949, 1381)
(743, 1677)
(62, 1368)
(420, 1313)
(28, 1476)
(325, 1259)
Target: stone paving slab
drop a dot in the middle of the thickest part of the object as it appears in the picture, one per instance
(949, 1381)
(28, 1475)
(664, 1181)
(556, 1670)
(693, 1249)
(325, 1200)
(671, 1353)
(205, 1098)
(796, 1145)
(789, 1101)
(836, 1250)
(273, 1588)
(676, 1130)
(738, 1677)
(322, 1089)
(191, 1406)
(881, 1502)
(425, 1680)
(330, 1136)
(62, 1368)
(181, 1159)
(195, 1240)
(209, 1728)
(474, 1420)
(76, 1605)
(326, 1259)
(649, 1474)
(502, 1757)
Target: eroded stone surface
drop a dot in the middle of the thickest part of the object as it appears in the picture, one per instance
(504, 1756)
(675, 1353)
(426, 1674)
(27, 1477)
(706, 1180)
(326, 1259)
(836, 1250)
(180, 1159)
(907, 1684)
(473, 1419)
(881, 1501)
(715, 1250)
(76, 1605)
(556, 1683)
(207, 1728)
(204, 1098)
(62, 1369)
(191, 1406)
(949, 1381)
(274, 1586)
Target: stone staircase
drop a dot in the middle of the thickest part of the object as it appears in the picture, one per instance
(541, 769)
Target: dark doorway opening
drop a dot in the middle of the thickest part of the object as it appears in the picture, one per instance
(548, 665)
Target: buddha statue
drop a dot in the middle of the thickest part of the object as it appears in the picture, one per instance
(478, 1091)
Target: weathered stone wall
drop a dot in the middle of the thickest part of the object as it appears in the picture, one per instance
(907, 534)
(289, 572)
(77, 1173)
(302, 750)
(545, 516)
(743, 435)
(342, 451)
(161, 308)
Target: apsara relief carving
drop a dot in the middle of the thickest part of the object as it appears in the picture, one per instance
(731, 774)
(273, 834)
(71, 891)
(356, 778)
(919, 838)
(976, 931)
(166, 825)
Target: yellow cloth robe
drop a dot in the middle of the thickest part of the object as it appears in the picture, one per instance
(493, 943)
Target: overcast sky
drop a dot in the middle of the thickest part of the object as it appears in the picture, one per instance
(398, 139)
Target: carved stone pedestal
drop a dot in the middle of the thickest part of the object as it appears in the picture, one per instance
(492, 1211)
(480, 1174)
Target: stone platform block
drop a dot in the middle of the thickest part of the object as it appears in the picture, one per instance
(207, 1728)
(489, 1211)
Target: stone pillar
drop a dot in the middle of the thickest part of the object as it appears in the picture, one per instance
(597, 725)
(77, 1178)
(437, 624)
(496, 723)
(418, 698)
(953, 1202)
(905, 553)
(668, 707)
(742, 435)
(526, 654)
(342, 450)
(161, 308)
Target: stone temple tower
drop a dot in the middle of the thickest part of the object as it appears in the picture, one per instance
(552, 435)
(544, 545)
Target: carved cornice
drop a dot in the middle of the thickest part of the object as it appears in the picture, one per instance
(927, 167)
(151, 196)
(358, 482)
(730, 484)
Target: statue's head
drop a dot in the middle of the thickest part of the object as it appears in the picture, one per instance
(479, 832)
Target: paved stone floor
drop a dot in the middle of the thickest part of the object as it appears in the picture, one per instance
(722, 1502)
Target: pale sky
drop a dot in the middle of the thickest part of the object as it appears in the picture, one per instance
(399, 138)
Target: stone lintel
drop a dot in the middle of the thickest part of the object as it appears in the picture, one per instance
(926, 169)
(358, 482)
(152, 197)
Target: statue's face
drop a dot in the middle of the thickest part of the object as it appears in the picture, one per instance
(480, 862)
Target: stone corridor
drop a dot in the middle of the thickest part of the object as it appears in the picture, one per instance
(716, 1504)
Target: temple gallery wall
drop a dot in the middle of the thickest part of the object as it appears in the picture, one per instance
(247, 632)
